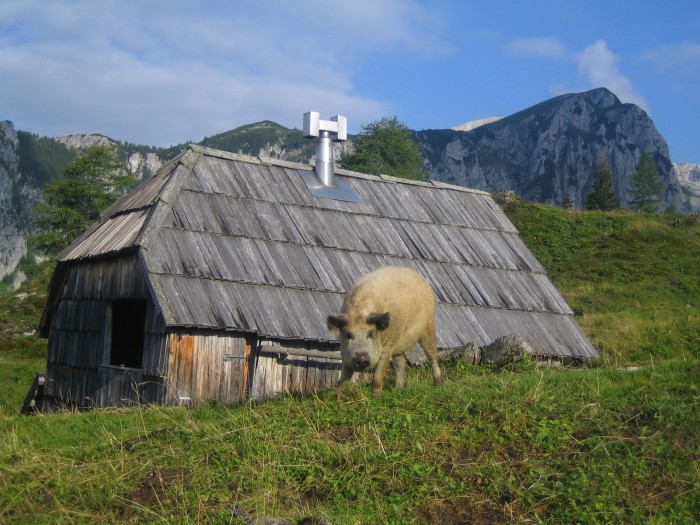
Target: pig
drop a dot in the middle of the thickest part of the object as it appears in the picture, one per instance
(383, 316)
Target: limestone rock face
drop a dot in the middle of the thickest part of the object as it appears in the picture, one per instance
(144, 167)
(551, 149)
(13, 197)
(689, 178)
(140, 166)
(81, 141)
(468, 126)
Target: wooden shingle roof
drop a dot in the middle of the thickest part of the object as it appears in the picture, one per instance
(240, 243)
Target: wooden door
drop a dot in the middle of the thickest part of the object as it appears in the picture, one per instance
(236, 370)
(181, 369)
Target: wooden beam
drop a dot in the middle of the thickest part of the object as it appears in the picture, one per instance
(283, 351)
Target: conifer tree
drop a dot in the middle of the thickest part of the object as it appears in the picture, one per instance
(385, 147)
(647, 186)
(93, 181)
(566, 202)
(602, 195)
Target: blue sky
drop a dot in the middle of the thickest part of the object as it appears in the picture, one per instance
(165, 72)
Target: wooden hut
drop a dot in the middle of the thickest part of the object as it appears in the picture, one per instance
(213, 279)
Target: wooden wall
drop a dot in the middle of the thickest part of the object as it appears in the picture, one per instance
(205, 365)
(228, 367)
(294, 367)
(178, 366)
(77, 370)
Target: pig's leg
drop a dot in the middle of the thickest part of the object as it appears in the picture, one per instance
(400, 370)
(429, 344)
(380, 373)
(345, 374)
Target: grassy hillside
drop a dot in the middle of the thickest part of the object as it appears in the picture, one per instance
(606, 445)
(633, 279)
(252, 138)
(22, 353)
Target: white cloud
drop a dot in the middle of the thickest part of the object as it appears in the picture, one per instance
(598, 67)
(536, 48)
(164, 72)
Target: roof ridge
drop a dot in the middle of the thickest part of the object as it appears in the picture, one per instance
(268, 161)
(168, 194)
(204, 150)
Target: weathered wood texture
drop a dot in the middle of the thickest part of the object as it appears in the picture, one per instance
(240, 243)
(34, 399)
(294, 368)
(207, 366)
(219, 243)
(77, 367)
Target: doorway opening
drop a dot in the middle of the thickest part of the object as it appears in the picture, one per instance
(128, 322)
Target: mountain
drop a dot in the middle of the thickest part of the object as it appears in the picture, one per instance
(689, 177)
(541, 153)
(551, 149)
(13, 207)
(468, 126)
(266, 139)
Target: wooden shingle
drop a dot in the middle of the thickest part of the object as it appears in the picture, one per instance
(236, 243)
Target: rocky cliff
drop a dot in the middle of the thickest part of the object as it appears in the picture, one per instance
(26, 164)
(16, 199)
(551, 149)
(141, 165)
(689, 178)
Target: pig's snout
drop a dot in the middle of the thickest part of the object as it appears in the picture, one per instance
(360, 361)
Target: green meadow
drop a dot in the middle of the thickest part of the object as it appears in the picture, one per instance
(617, 442)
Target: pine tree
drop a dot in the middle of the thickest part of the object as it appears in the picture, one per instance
(93, 181)
(647, 186)
(385, 147)
(566, 202)
(602, 195)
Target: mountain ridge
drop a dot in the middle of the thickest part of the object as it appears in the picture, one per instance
(541, 153)
(552, 148)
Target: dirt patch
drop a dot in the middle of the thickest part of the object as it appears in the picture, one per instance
(341, 435)
(462, 458)
(152, 490)
(656, 491)
(462, 512)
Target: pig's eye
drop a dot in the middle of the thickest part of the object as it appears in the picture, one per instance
(347, 335)
(370, 334)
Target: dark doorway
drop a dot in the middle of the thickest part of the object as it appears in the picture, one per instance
(126, 341)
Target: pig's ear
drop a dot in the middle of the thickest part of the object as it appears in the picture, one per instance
(381, 321)
(336, 323)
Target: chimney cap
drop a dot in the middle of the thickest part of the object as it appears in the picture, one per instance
(337, 126)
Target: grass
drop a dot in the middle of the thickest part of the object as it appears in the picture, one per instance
(632, 279)
(543, 446)
(526, 445)
(22, 352)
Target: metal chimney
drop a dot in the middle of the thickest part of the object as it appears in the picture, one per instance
(326, 132)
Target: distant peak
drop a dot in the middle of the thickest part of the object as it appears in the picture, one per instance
(261, 124)
(468, 126)
(602, 97)
(79, 140)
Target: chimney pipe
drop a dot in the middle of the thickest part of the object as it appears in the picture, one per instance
(326, 132)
